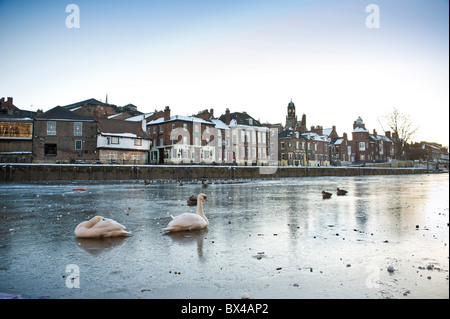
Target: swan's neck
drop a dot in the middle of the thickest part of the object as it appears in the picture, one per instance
(200, 209)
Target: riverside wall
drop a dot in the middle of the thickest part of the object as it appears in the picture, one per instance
(60, 172)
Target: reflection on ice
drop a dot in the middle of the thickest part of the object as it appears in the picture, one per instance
(96, 246)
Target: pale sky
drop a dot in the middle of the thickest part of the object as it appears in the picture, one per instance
(247, 55)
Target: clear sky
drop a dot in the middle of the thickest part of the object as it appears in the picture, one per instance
(246, 55)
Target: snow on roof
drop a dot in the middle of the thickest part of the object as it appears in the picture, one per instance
(315, 136)
(220, 125)
(380, 138)
(129, 135)
(179, 118)
(338, 141)
(359, 130)
(140, 117)
(114, 115)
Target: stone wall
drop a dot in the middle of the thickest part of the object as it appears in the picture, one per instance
(52, 172)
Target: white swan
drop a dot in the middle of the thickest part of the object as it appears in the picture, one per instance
(100, 227)
(188, 221)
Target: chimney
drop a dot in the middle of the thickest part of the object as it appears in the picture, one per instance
(374, 132)
(227, 116)
(166, 113)
(211, 113)
(205, 115)
(345, 136)
(388, 134)
(303, 124)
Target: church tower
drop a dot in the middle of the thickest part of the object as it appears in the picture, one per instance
(291, 118)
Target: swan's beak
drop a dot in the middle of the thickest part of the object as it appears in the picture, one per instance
(206, 199)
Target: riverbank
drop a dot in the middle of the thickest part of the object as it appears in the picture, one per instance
(51, 172)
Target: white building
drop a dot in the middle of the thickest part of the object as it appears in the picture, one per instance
(122, 142)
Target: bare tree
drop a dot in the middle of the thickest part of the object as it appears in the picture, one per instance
(402, 128)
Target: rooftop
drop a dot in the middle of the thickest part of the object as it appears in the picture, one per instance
(62, 114)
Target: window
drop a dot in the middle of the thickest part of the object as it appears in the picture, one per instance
(78, 145)
(362, 146)
(161, 141)
(161, 129)
(51, 128)
(137, 142)
(77, 129)
(50, 150)
(114, 140)
(16, 129)
(185, 126)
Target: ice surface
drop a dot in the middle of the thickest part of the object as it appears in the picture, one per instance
(268, 238)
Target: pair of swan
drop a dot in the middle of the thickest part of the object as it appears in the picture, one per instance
(105, 227)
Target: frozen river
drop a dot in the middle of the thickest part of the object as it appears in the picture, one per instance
(267, 238)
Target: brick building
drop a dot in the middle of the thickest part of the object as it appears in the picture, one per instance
(340, 150)
(368, 148)
(16, 133)
(180, 139)
(292, 148)
(62, 136)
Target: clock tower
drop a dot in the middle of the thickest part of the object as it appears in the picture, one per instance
(291, 118)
